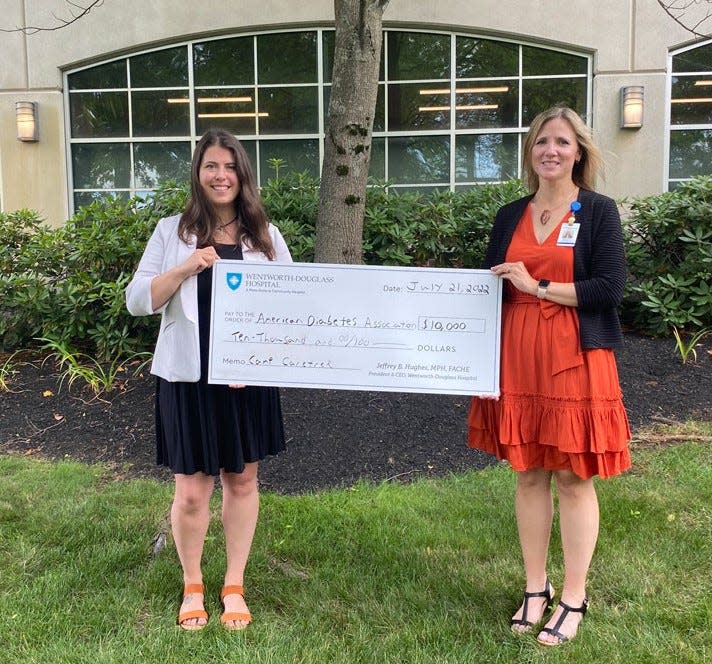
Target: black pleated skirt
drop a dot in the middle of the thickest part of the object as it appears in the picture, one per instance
(201, 427)
(206, 428)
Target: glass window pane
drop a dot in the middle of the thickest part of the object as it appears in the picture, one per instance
(101, 165)
(696, 59)
(377, 167)
(379, 120)
(251, 149)
(99, 114)
(690, 153)
(229, 108)
(425, 190)
(82, 198)
(298, 155)
(224, 62)
(415, 56)
(160, 113)
(486, 158)
(287, 57)
(487, 104)
(155, 163)
(544, 62)
(289, 110)
(160, 69)
(327, 55)
(418, 106)
(419, 159)
(691, 101)
(110, 75)
(538, 95)
(482, 58)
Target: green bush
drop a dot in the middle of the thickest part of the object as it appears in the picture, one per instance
(669, 252)
(292, 202)
(442, 229)
(67, 284)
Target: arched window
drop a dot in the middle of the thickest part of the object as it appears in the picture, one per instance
(690, 147)
(451, 109)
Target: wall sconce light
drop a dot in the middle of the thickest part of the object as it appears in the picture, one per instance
(632, 107)
(27, 122)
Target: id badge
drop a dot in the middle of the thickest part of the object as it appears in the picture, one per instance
(567, 235)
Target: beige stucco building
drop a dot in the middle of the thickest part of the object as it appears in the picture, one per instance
(596, 48)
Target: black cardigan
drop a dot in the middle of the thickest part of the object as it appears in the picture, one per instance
(599, 263)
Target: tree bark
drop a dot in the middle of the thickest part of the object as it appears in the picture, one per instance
(347, 145)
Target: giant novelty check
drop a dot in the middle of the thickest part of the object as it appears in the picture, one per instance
(355, 327)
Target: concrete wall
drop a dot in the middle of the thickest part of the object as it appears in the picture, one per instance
(630, 41)
(34, 175)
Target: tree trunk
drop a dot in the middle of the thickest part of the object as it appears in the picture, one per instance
(347, 146)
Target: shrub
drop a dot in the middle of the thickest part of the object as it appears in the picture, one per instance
(68, 283)
(442, 229)
(292, 203)
(25, 267)
(669, 252)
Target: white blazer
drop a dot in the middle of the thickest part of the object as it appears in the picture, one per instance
(177, 354)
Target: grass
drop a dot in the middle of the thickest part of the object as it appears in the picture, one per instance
(424, 573)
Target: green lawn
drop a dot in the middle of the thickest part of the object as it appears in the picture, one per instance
(428, 572)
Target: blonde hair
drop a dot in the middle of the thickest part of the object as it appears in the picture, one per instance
(586, 169)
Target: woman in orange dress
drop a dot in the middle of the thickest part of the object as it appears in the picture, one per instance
(560, 412)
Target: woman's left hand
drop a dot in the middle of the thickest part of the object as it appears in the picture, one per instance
(517, 275)
(235, 386)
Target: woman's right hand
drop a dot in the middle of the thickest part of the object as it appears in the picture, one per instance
(164, 285)
(199, 260)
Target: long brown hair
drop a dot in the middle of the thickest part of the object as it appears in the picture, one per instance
(201, 219)
(586, 169)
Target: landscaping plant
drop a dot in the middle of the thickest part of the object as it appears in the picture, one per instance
(67, 284)
(669, 250)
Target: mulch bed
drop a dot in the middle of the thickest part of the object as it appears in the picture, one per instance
(335, 437)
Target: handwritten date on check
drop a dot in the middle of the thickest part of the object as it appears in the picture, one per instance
(355, 327)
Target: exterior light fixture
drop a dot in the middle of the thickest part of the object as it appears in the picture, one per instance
(27, 122)
(632, 107)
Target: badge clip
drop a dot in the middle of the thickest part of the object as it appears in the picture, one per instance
(574, 207)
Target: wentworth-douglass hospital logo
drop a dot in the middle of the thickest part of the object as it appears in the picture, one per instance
(234, 279)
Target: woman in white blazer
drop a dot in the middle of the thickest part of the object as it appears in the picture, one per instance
(202, 430)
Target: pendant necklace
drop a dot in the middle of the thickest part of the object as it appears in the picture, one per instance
(223, 226)
(545, 215)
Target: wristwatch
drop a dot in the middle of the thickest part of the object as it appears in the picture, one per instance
(541, 288)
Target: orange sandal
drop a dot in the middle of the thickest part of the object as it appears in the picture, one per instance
(196, 613)
(230, 616)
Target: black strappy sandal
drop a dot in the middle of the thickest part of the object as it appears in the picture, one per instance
(547, 594)
(554, 631)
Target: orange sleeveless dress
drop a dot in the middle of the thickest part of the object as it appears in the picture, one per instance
(560, 407)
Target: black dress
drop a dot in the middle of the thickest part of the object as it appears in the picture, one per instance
(203, 427)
